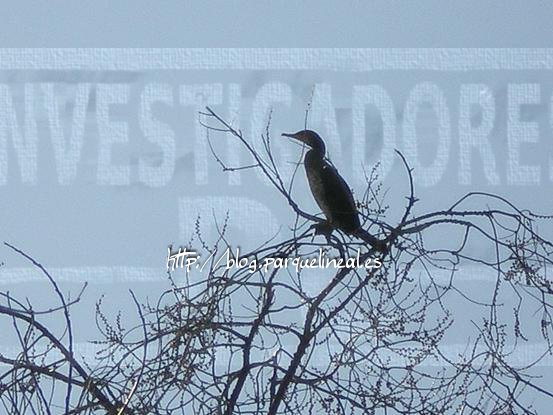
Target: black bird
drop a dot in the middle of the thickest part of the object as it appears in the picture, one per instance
(330, 190)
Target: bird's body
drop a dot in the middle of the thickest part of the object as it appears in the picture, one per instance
(331, 193)
(330, 190)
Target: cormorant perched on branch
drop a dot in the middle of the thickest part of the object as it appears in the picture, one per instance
(330, 190)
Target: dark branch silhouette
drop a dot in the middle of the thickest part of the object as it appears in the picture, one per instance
(281, 341)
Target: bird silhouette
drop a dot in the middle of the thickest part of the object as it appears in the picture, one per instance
(330, 190)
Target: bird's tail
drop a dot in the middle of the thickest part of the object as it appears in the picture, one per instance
(374, 242)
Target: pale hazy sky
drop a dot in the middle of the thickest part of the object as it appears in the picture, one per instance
(139, 23)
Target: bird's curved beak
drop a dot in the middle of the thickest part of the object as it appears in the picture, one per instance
(294, 136)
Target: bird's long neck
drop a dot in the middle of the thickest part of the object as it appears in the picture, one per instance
(318, 148)
(314, 157)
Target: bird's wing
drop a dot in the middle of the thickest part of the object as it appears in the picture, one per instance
(337, 190)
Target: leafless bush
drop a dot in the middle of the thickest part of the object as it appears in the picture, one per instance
(362, 341)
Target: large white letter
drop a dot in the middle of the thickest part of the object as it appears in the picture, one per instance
(519, 132)
(200, 96)
(476, 138)
(234, 146)
(262, 105)
(372, 95)
(429, 93)
(254, 221)
(322, 117)
(110, 133)
(66, 152)
(551, 156)
(25, 145)
(158, 133)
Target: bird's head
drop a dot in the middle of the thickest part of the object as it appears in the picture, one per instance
(310, 138)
